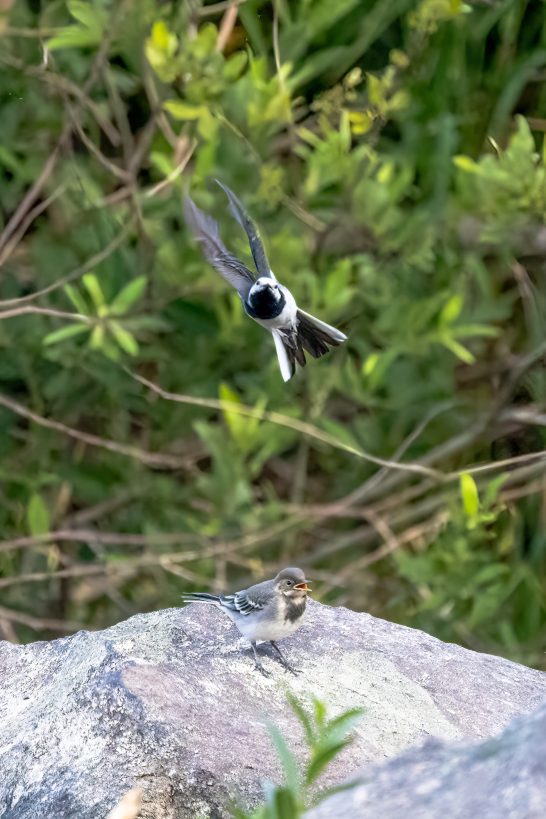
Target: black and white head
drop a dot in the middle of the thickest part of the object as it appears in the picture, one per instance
(265, 299)
(266, 284)
(292, 583)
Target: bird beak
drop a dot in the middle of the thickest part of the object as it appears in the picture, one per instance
(303, 586)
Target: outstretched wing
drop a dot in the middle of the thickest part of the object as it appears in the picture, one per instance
(205, 231)
(256, 246)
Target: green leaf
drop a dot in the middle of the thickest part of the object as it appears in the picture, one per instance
(321, 758)
(469, 495)
(282, 805)
(162, 39)
(235, 421)
(451, 310)
(465, 163)
(85, 13)
(320, 712)
(37, 516)
(235, 65)
(94, 289)
(128, 295)
(184, 110)
(286, 757)
(370, 363)
(303, 717)
(457, 349)
(126, 341)
(69, 331)
(74, 37)
(97, 337)
(77, 299)
(341, 725)
(474, 330)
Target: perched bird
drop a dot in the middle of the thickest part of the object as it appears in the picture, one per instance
(265, 300)
(266, 612)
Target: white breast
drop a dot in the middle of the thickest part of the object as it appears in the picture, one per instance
(258, 630)
(263, 632)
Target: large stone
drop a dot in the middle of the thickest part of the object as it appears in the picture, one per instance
(499, 778)
(169, 701)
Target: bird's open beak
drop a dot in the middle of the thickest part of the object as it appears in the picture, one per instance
(303, 586)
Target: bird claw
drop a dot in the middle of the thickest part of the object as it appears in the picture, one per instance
(294, 671)
(259, 667)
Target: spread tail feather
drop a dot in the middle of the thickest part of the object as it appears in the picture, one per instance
(311, 335)
(332, 335)
(285, 355)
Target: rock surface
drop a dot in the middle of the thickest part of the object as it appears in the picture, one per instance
(499, 778)
(169, 701)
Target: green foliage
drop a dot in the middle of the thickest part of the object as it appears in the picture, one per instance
(505, 189)
(106, 333)
(393, 155)
(325, 739)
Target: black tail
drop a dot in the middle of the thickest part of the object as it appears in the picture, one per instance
(200, 597)
(314, 336)
(311, 335)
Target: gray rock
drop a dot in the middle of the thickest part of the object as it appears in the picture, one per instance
(170, 701)
(500, 778)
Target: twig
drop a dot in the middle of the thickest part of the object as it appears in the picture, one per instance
(218, 8)
(284, 421)
(157, 459)
(25, 310)
(114, 169)
(94, 261)
(174, 174)
(39, 623)
(18, 234)
(32, 194)
(226, 25)
(105, 507)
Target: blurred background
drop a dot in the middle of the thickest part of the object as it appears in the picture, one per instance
(392, 153)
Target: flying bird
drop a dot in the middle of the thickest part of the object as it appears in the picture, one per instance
(266, 612)
(264, 299)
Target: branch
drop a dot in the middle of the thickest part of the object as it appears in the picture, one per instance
(284, 421)
(95, 260)
(39, 623)
(158, 459)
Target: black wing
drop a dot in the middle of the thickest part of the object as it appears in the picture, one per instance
(205, 231)
(256, 246)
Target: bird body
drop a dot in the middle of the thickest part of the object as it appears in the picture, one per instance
(265, 612)
(265, 300)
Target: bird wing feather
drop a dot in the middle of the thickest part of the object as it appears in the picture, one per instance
(241, 602)
(256, 247)
(253, 599)
(205, 231)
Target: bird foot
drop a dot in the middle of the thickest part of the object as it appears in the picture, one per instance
(259, 667)
(294, 671)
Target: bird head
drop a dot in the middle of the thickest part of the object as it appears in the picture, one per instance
(292, 583)
(266, 284)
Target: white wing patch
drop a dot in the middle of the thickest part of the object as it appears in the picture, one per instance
(284, 363)
(241, 603)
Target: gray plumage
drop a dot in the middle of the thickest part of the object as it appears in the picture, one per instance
(265, 612)
(205, 231)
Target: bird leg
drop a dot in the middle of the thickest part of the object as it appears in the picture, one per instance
(283, 660)
(257, 662)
